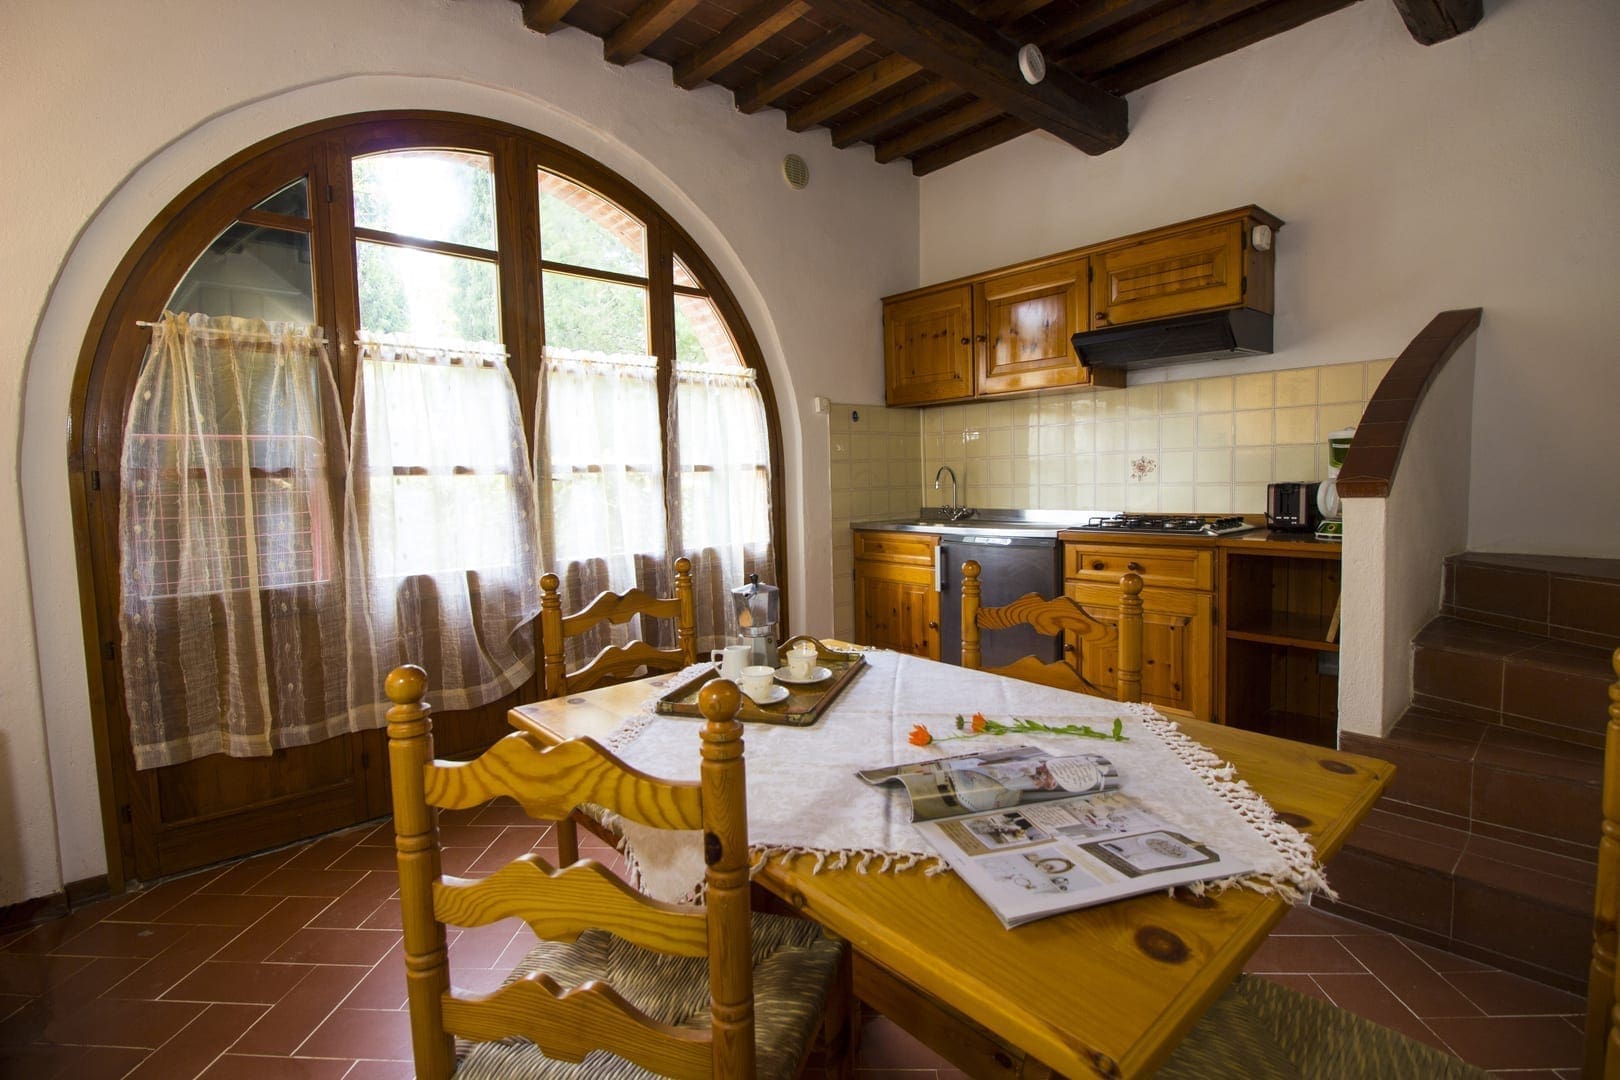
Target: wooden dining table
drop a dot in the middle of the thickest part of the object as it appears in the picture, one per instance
(1104, 991)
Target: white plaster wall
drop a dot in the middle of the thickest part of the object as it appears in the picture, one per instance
(1482, 172)
(121, 105)
(1392, 583)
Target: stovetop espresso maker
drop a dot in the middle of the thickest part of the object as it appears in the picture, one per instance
(758, 610)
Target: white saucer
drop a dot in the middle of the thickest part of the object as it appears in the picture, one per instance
(785, 674)
(777, 693)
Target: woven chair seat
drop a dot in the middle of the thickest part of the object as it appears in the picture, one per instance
(1260, 1030)
(794, 967)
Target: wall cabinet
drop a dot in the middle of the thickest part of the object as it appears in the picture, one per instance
(1178, 619)
(1008, 331)
(896, 592)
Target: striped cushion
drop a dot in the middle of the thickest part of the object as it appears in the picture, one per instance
(794, 967)
(1260, 1030)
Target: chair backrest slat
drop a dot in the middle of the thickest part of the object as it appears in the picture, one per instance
(1603, 987)
(1058, 615)
(551, 782)
(559, 905)
(622, 661)
(569, 1023)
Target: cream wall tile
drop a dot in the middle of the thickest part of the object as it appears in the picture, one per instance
(1296, 425)
(1215, 395)
(1178, 432)
(1296, 463)
(902, 473)
(1213, 466)
(999, 471)
(1178, 397)
(860, 505)
(860, 446)
(1083, 470)
(1109, 497)
(998, 442)
(1023, 470)
(838, 476)
(998, 414)
(1176, 498)
(1111, 468)
(1376, 370)
(1341, 382)
(1142, 434)
(1053, 497)
(1176, 467)
(842, 504)
(1252, 464)
(1142, 498)
(1110, 436)
(1109, 402)
(1142, 400)
(1337, 417)
(1252, 428)
(1084, 496)
(1296, 387)
(861, 477)
(1054, 440)
(1256, 391)
(1053, 410)
(1083, 437)
(1248, 498)
(1000, 496)
(1051, 470)
(1212, 499)
(1215, 429)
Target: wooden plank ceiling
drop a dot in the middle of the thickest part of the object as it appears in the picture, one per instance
(934, 81)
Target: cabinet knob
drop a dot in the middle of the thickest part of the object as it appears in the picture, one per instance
(981, 337)
(933, 624)
(1102, 316)
(1135, 568)
(966, 341)
(1098, 565)
(1068, 648)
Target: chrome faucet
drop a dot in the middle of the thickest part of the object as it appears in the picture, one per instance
(952, 511)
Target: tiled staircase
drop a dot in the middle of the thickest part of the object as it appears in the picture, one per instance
(1486, 843)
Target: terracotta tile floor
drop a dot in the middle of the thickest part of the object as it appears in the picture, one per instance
(288, 965)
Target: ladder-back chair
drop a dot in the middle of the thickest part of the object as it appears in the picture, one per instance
(1057, 616)
(666, 989)
(616, 662)
(1603, 990)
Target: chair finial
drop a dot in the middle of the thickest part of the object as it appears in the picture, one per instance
(719, 700)
(406, 685)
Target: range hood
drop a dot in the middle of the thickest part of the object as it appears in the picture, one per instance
(1209, 335)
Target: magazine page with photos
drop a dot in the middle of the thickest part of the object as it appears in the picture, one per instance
(994, 780)
(1035, 859)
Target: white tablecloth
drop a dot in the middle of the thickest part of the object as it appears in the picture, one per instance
(803, 796)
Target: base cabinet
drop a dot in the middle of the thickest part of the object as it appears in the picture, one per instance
(1177, 647)
(896, 598)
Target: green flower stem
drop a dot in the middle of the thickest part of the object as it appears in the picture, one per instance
(1020, 727)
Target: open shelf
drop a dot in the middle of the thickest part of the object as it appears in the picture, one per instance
(1288, 628)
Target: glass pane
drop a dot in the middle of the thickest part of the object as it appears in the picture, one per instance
(429, 296)
(444, 195)
(701, 337)
(254, 272)
(597, 316)
(579, 227)
(292, 200)
(683, 276)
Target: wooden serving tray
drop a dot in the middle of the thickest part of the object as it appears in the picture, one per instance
(805, 702)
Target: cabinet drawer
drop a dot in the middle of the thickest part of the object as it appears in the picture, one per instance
(908, 548)
(1185, 568)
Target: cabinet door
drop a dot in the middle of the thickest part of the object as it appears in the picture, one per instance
(928, 347)
(1198, 270)
(1024, 322)
(1178, 647)
(897, 607)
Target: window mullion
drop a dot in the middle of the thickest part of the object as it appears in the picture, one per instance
(661, 312)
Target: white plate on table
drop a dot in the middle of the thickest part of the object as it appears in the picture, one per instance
(817, 674)
(775, 695)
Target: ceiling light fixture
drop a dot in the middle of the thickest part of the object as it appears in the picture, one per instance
(1031, 63)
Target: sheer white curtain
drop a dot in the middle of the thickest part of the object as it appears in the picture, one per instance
(440, 521)
(231, 577)
(723, 508)
(599, 468)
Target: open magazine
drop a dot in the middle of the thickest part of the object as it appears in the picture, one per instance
(1035, 833)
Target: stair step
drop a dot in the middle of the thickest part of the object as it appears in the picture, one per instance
(1521, 680)
(1566, 599)
(1523, 908)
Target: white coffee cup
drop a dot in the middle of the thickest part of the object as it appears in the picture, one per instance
(802, 659)
(732, 659)
(758, 680)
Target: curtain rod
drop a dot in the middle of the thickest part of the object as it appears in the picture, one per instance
(430, 347)
(319, 336)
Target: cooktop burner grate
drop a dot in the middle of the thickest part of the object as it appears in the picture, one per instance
(1195, 525)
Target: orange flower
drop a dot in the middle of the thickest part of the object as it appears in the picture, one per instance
(920, 736)
(978, 722)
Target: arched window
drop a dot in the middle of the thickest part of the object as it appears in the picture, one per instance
(535, 368)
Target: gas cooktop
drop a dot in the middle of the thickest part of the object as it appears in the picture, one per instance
(1181, 524)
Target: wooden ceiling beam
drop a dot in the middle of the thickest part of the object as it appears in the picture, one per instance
(1166, 28)
(850, 92)
(646, 25)
(937, 130)
(795, 71)
(951, 43)
(1002, 12)
(1228, 37)
(897, 110)
(1434, 21)
(968, 145)
(544, 16)
(747, 31)
(1093, 19)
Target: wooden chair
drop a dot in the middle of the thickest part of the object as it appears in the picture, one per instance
(616, 662)
(1603, 991)
(1057, 616)
(667, 988)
